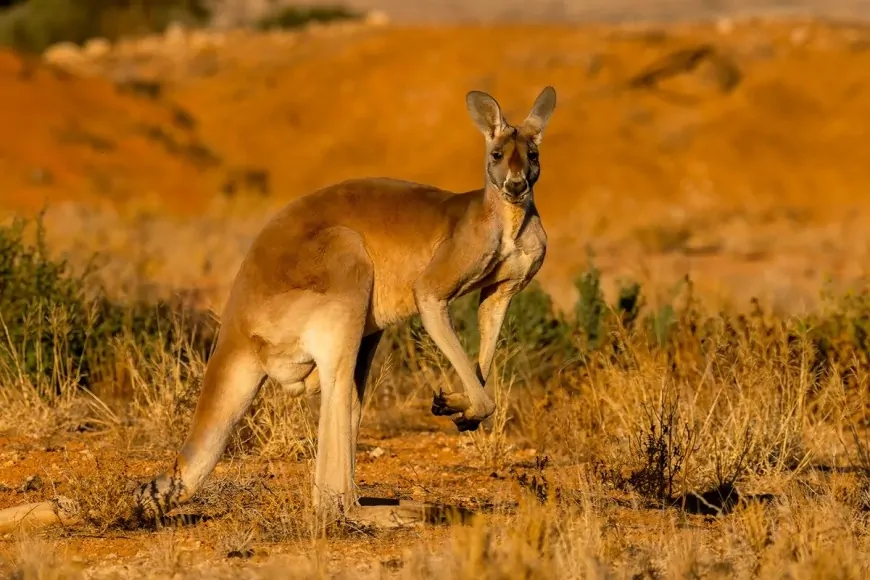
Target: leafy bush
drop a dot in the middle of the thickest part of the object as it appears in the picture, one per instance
(35, 25)
(297, 16)
(57, 327)
(55, 330)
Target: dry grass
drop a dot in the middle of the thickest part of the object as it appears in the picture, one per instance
(689, 438)
(733, 452)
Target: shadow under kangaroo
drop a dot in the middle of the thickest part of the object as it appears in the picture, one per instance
(320, 284)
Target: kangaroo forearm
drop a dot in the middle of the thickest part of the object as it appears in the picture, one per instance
(436, 321)
(490, 318)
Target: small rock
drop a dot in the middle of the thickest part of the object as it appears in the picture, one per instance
(175, 34)
(97, 48)
(376, 452)
(377, 18)
(799, 36)
(724, 26)
(32, 483)
(63, 53)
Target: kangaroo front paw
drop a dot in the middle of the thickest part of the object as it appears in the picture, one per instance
(465, 424)
(446, 404)
(466, 415)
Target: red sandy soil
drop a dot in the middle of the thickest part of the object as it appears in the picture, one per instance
(703, 178)
(390, 102)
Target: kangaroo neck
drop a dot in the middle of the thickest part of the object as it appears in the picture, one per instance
(508, 215)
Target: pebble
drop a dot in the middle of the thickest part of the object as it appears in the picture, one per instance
(171, 47)
(97, 48)
(377, 18)
(63, 53)
(175, 34)
(724, 26)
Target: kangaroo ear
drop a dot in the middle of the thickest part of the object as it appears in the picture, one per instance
(537, 120)
(485, 113)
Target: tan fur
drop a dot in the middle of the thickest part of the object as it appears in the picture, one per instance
(333, 269)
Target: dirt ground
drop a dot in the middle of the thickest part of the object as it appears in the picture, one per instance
(745, 166)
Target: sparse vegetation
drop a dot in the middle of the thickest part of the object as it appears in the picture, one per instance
(298, 16)
(654, 428)
(34, 25)
(628, 409)
(58, 328)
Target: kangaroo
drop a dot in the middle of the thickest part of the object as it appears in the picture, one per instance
(332, 270)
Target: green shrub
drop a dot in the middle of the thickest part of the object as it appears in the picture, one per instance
(590, 310)
(56, 329)
(37, 24)
(297, 16)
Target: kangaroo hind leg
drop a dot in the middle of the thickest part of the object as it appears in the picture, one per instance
(232, 378)
(335, 338)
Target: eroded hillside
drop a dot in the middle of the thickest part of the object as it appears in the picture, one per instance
(690, 142)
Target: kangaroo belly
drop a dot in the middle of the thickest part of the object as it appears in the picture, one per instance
(391, 304)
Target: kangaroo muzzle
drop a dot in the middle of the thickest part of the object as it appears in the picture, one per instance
(515, 185)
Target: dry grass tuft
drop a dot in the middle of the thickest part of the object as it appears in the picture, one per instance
(629, 441)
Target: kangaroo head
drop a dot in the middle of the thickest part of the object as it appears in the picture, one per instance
(512, 164)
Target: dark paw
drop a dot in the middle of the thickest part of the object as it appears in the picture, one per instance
(146, 510)
(439, 406)
(446, 404)
(466, 424)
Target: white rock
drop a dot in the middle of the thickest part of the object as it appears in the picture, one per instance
(63, 53)
(377, 18)
(175, 34)
(799, 36)
(97, 48)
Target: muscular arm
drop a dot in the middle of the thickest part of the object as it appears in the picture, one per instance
(494, 303)
(446, 276)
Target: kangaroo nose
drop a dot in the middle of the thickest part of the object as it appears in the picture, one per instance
(516, 185)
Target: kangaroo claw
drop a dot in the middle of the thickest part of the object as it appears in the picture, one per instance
(446, 404)
(465, 424)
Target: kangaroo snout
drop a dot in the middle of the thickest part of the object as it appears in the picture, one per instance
(516, 185)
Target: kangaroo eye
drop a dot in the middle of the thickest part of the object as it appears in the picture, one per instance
(533, 155)
(496, 155)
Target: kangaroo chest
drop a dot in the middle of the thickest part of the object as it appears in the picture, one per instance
(522, 252)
